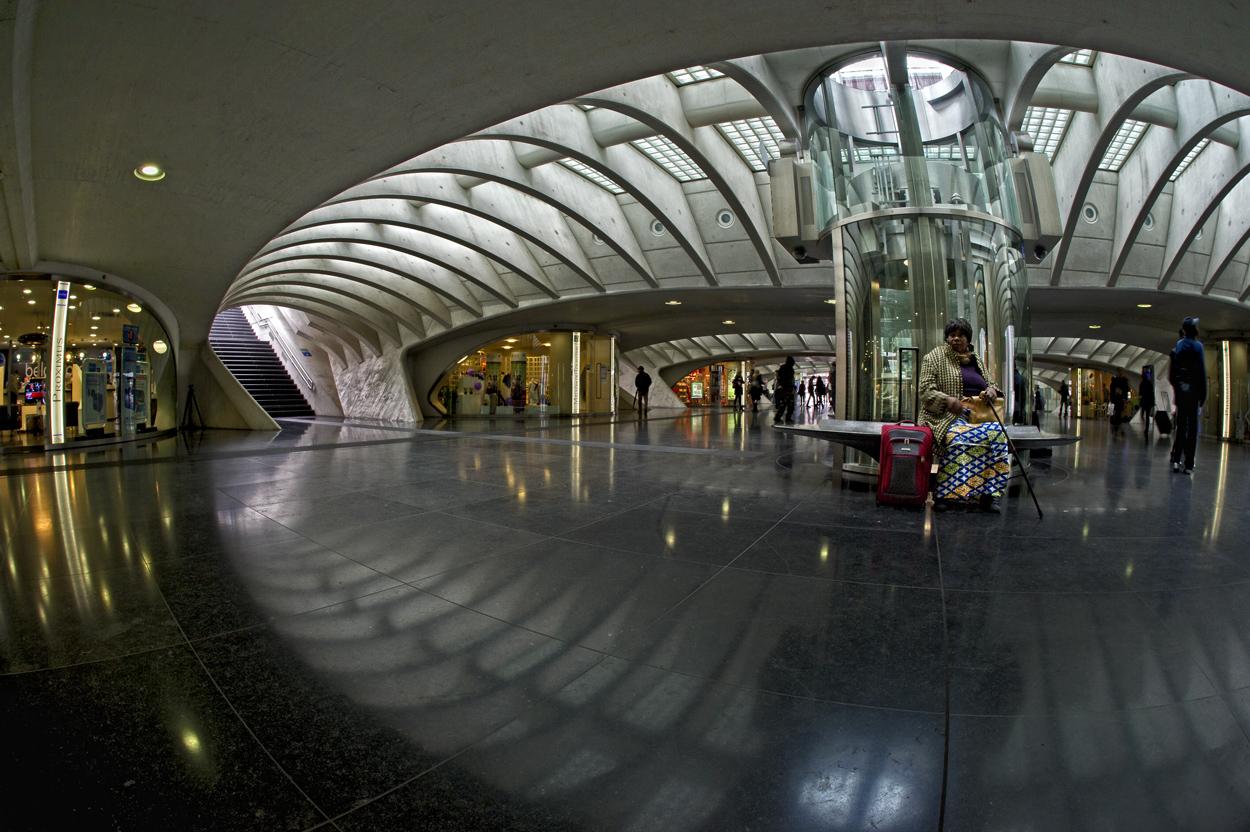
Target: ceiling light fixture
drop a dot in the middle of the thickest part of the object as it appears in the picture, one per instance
(728, 322)
(831, 300)
(1095, 326)
(159, 347)
(672, 303)
(95, 317)
(150, 172)
(1143, 305)
(89, 287)
(31, 302)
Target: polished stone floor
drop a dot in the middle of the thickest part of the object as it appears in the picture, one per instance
(675, 625)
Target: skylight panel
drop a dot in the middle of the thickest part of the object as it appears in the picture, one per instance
(593, 175)
(1189, 158)
(1081, 57)
(746, 135)
(670, 157)
(693, 75)
(873, 152)
(1046, 125)
(1126, 138)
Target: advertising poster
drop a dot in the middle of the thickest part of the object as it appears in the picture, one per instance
(94, 390)
(126, 386)
(141, 398)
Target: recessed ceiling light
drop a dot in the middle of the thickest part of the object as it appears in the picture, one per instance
(1143, 306)
(506, 347)
(89, 287)
(1095, 326)
(831, 300)
(546, 343)
(728, 322)
(672, 303)
(31, 302)
(509, 340)
(73, 297)
(159, 347)
(26, 291)
(95, 327)
(95, 317)
(149, 172)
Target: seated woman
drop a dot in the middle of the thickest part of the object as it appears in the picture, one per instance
(972, 458)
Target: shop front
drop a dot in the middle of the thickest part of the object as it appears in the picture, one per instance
(538, 373)
(712, 386)
(80, 363)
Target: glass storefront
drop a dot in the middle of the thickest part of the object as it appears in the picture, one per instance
(713, 385)
(117, 370)
(538, 373)
(916, 202)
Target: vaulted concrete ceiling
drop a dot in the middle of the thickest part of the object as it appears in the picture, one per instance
(262, 111)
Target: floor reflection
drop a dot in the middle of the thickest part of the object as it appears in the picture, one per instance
(678, 623)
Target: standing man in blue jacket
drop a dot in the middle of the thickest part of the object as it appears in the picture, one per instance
(1187, 372)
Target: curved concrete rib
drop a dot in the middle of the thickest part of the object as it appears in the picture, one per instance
(378, 318)
(1232, 230)
(471, 266)
(348, 342)
(1211, 178)
(489, 239)
(1201, 107)
(536, 222)
(379, 298)
(656, 103)
(426, 290)
(1027, 65)
(360, 328)
(565, 130)
(1122, 84)
(757, 77)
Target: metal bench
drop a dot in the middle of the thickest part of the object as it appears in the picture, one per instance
(866, 436)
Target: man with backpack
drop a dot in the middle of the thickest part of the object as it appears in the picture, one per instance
(784, 391)
(1187, 373)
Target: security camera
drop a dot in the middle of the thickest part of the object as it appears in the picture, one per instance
(1040, 252)
(799, 252)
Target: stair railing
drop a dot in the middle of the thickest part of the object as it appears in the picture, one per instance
(291, 357)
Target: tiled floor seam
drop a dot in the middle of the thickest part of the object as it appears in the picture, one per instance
(946, 669)
(246, 727)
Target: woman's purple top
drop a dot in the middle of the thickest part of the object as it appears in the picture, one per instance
(974, 382)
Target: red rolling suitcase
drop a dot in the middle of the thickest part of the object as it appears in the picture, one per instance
(906, 457)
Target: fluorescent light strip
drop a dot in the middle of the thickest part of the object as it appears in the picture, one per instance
(1189, 159)
(746, 135)
(1122, 145)
(1081, 57)
(670, 157)
(693, 75)
(1047, 126)
(592, 174)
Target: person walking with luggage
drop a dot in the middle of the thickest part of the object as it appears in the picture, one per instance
(1147, 393)
(972, 458)
(1187, 372)
(642, 389)
(737, 386)
(1065, 401)
(1119, 393)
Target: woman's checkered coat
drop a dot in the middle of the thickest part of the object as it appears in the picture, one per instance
(940, 377)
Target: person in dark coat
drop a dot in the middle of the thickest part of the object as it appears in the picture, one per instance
(1119, 393)
(1187, 373)
(642, 386)
(1147, 393)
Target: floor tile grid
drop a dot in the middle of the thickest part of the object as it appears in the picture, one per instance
(1223, 695)
(538, 704)
(946, 673)
(327, 822)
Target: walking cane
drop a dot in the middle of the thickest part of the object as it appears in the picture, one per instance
(1016, 454)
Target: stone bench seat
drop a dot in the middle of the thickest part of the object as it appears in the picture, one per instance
(866, 436)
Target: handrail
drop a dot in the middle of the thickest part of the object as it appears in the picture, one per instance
(288, 352)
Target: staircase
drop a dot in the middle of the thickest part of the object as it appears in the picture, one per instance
(256, 366)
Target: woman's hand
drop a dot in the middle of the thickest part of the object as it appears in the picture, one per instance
(954, 405)
(990, 394)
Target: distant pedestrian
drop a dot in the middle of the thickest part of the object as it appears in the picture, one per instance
(642, 387)
(1119, 392)
(1065, 400)
(1147, 393)
(737, 386)
(1187, 372)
